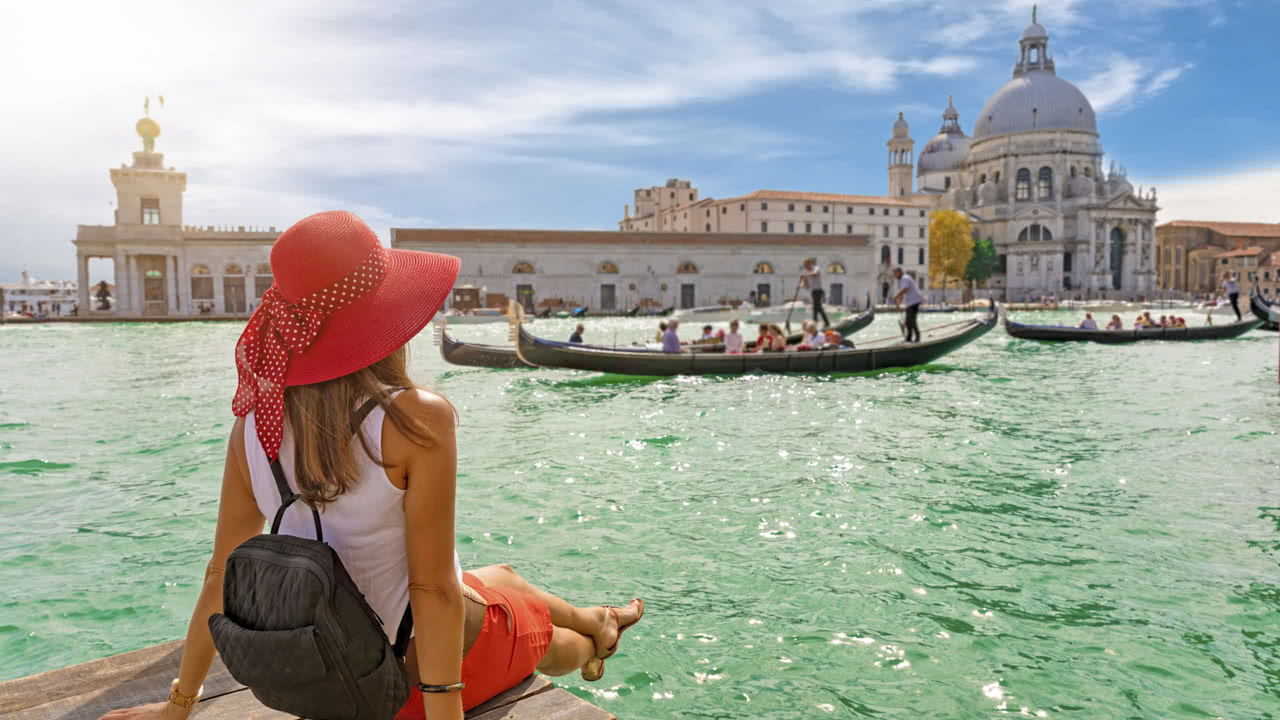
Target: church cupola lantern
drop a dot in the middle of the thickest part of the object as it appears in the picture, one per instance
(1035, 49)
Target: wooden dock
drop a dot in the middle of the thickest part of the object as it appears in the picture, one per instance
(86, 691)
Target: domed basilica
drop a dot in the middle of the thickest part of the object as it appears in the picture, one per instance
(1031, 179)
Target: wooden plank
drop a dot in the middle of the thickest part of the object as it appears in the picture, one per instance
(531, 685)
(554, 704)
(88, 690)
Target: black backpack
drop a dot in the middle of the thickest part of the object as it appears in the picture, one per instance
(297, 631)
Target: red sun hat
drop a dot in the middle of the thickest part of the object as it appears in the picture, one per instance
(340, 302)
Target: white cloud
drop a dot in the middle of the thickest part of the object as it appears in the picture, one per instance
(1243, 195)
(1127, 80)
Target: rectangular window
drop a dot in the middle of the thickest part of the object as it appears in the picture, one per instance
(764, 206)
(791, 227)
(791, 206)
(764, 226)
(901, 230)
(901, 212)
(922, 232)
(202, 288)
(824, 228)
(708, 212)
(871, 211)
(900, 255)
(921, 213)
(921, 260)
(884, 231)
(886, 211)
(724, 210)
(150, 211)
(808, 227)
(261, 284)
(849, 210)
(808, 208)
(1002, 264)
(848, 229)
(1066, 262)
(825, 208)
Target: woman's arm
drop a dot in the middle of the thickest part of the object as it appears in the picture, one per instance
(238, 520)
(434, 591)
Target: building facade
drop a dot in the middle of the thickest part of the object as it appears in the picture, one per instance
(1190, 251)
(163, 267)
(897, 228)
(616, 271)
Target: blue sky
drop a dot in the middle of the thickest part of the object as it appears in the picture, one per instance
(548, 114)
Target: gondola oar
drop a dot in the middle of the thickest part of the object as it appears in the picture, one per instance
(792, 307)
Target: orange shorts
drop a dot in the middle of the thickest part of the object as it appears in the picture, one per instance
(504, 653)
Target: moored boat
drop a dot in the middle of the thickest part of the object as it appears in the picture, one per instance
(457, 352)
(552, 354)
(1058, 333)
(1265, 312)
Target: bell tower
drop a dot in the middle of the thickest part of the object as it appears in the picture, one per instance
(901, 159)
(146, 192)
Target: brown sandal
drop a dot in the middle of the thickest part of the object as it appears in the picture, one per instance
(596, 672)
(614, 609)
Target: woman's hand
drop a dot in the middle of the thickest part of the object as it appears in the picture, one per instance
(154, 711)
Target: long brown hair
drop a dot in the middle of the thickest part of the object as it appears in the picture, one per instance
(321, 418)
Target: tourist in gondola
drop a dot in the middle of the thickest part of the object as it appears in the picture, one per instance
(809, 338)
(662, 331)
(1116, 323)
(708, 336)
(576, 337)
(1232, 289)
(733, 339)
(909, 295)
(1089, 323)
(671, 338)
(306, 362)
(813, 281)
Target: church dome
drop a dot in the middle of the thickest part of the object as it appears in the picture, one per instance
(1036, 98)
(949, 148)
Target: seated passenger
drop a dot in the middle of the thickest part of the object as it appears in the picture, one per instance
(670, 338)
(707, 335)
(1164, 321)
(1089, 323)
(809, 337)
(1180, 322)
(762, 340)
(1115, 323)
(733, 339)
(662, 330)
(1148, 321)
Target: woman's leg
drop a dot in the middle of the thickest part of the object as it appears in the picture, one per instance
(597, 623)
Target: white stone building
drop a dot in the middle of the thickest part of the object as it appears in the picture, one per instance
(163, 267)
(896, 227)
(617, 271)
(1031, 179)
(39, 298)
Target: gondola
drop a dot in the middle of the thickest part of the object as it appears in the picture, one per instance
(1262, 310)
(1054, 333)
(457, 352)
(847, 326)
(551, 354)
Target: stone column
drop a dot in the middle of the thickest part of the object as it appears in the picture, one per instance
(135, 287)
(120, 274)
(82, 283)
(172, 291)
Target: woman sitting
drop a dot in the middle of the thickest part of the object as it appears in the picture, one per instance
(1115, 323)
(330, 337)
(762, 340)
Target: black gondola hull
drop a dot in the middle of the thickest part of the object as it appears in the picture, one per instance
(1262, 310)
(1049, 333)
(456, 352)
(551, 354)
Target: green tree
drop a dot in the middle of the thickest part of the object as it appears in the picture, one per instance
(950, 246)
(982, 264)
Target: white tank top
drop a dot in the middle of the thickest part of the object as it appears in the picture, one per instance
(364, 526)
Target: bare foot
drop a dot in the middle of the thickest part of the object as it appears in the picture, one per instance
(612, 623)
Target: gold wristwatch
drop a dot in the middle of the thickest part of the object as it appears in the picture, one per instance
(183, 701)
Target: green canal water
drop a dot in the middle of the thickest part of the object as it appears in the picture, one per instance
(1044, 530)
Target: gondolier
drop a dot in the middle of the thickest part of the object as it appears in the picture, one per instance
(813, 280)
(1232, 289)
(909, 296)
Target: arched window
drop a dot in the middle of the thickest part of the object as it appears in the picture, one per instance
(1044, 184)
(687, 268)
(884, 255)
(199, 269)
(1088, 171)
(763, 268)
(982, 178)
(522, 268)
(232, 269)
(1022, 186)
(608, 268)
(836, 268)
(201, 282)
(1035, 233)
(264, 269)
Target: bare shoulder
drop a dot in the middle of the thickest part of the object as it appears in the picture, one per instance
(427, 407)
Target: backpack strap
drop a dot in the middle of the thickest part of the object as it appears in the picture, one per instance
(288, 496)
(401, 645)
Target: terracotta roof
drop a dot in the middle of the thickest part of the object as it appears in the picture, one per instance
(400, 237)
(1244, 252)
(825, 197)
(1233, 229)
(1205, 246)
